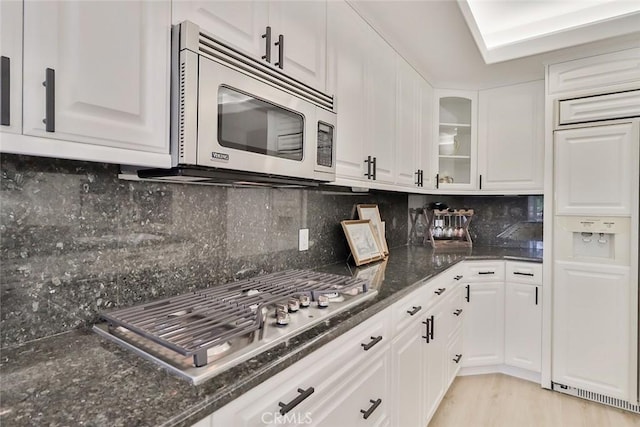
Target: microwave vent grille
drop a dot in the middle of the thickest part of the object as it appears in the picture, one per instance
(231, 57)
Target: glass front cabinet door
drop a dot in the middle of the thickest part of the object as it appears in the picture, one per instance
(456, 140)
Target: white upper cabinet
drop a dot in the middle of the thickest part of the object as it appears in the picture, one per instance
(105, 68)
(594, 169)
(295, 42)
(242, 24)
(346, 81)
(380, 98)
(408, 103)
(511, 138)
(11, 66)
(618, 71)
(303, 28)
(455, 140)
(363, 78)
(425, 123)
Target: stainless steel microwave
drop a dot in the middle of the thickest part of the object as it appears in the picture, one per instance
(240, 120)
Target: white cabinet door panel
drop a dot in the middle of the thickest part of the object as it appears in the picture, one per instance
(523, 326)
(591, 336)
(111, 62)
(239, 23)
(304, 27)
(381, 103)
(436, 355)
(349, 60)
(425, 142)
(11, 52)
(594, 169)
(484, 325)
(408, 361)
(511, 137)
(595, 72)
(407, 113)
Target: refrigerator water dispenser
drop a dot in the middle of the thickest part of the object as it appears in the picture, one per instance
(597, 239)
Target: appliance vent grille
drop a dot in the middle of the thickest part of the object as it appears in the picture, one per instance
(596, 397)
(182, 115)
(229, 56)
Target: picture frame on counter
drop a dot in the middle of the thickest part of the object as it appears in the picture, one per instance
(362, 240)
(372, 213)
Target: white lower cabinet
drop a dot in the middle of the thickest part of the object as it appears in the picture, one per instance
(416, 348)
(484, 324)
(363, 400)
(420, 351)
(523, 326)
(408, 382)
(335, 382)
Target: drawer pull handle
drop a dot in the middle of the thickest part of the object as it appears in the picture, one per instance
(374, 341)
(414, 310)
(486, 272)
(440, 291)
(458, 312)
(523, 274)
(375, 403)
(430, 325)
(286, 407)
(457, 358)
(458, 277)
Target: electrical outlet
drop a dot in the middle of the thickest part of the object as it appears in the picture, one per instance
(303, 239)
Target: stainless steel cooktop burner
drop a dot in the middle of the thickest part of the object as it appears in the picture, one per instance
(203, 333)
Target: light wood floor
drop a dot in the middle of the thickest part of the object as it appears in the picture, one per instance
(498, 400)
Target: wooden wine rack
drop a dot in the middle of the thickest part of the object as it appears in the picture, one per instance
(455, 216)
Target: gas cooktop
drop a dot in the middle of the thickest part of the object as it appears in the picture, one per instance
(202, 333)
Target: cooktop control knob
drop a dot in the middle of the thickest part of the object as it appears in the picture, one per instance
(294, 305)
(323, 301)
(282, 317)
(304, 301)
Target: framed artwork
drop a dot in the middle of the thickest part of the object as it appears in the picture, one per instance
(371, 213)
(362, 241)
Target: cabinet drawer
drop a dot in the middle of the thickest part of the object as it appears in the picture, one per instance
(524, 272)
(484, 271)
(603, 107)
(410, 308)
(323, 371)
(365, 392)
(365, 340)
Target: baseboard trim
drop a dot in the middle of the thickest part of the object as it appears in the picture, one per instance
(524, 374)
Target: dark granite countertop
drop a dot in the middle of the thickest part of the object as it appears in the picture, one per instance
(78, 378)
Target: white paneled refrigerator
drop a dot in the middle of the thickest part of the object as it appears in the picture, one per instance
(595, 253)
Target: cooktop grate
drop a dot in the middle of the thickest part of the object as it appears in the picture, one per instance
(189, 324)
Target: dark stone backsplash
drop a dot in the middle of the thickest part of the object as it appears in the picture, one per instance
(76, 240)
(504, 221)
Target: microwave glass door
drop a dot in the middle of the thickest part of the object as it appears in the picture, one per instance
(250, 124)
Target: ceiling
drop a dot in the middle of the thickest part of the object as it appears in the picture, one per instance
(435, 38)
